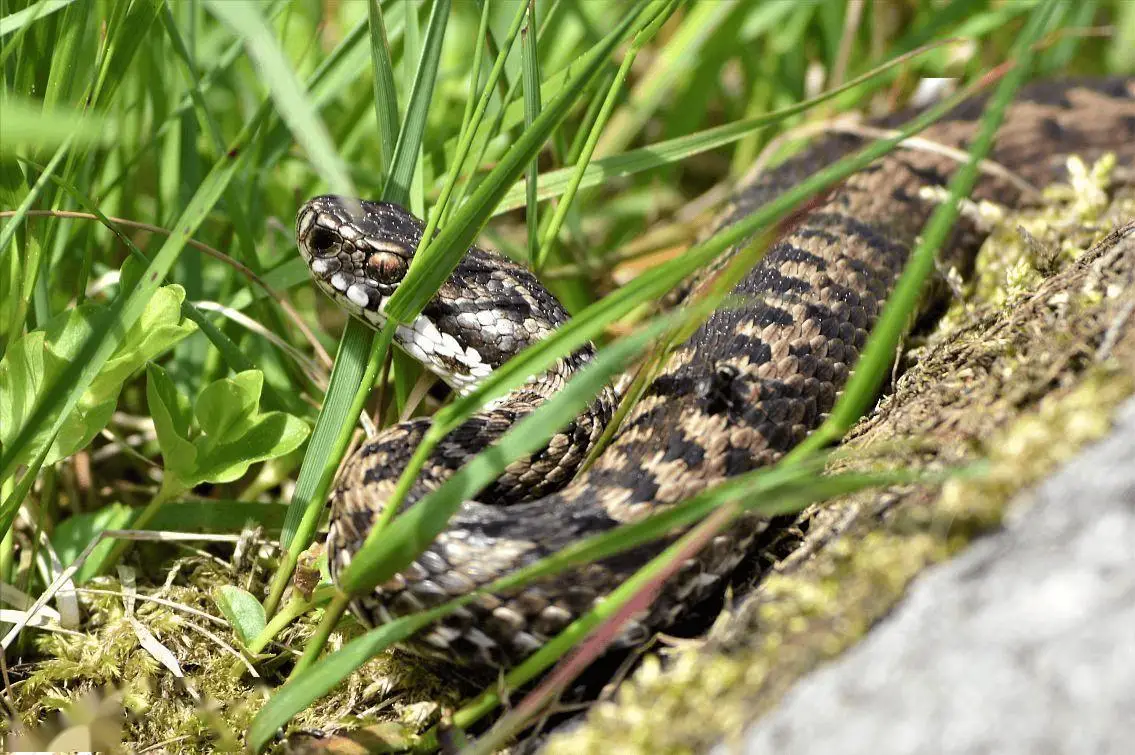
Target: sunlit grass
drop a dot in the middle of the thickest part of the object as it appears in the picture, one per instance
(215, 120)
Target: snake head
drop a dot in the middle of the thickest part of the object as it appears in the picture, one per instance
(487, 310)
(357, 250)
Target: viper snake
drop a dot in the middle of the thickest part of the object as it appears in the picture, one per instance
(746, 387)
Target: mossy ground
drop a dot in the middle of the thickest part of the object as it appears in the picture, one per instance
(1020, 373)
(106, 685)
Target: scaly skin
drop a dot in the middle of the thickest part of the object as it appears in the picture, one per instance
(744, 389)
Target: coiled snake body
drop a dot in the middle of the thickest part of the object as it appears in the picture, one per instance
(747, 386)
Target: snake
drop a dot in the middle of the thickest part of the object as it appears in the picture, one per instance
(746, 387)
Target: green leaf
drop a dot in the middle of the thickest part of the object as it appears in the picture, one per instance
(157, 330)
(62, 394)
(266, 437)
(226, 407)
(243, 611)
(172, 418)
(81, 427)
(236, 436)
(21, 378)
(75, 532)
(36, 361)
(233, 433)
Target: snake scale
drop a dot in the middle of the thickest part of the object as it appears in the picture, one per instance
(741, 391)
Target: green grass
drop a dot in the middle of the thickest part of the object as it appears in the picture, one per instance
(574, 130)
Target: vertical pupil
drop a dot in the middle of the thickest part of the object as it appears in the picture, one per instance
(387, 266)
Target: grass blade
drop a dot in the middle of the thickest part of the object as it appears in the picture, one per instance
(384, 92)
(8, 232)
(668, 152)
(21, 18)
(396, 545)
(290, 96)
(440, 255)
(580, 169)
(531, 85)
(767, 491)
(359, 351)
(465, 140)
(875, 361)
(409, 143)
(27, 125)
(325, 675)
(678, 56)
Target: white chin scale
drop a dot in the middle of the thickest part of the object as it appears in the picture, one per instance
(439, 351)
(423, 341)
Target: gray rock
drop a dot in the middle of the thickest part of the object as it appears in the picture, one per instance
(1025, 643)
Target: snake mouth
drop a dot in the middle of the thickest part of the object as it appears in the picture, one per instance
(358, 251)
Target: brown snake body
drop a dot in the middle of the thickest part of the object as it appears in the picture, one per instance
(745, 388)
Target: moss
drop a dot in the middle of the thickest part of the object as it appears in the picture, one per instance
(1027, 246)
(212, 706)
(1012, 379)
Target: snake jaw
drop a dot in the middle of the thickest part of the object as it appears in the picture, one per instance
(358, 253)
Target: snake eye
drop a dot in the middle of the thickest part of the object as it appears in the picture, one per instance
(386, 267)
(322, 241)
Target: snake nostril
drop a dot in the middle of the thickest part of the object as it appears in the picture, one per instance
(322, 241)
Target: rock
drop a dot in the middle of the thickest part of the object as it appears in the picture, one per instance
(1024, 643)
